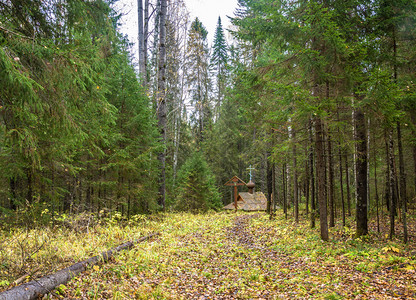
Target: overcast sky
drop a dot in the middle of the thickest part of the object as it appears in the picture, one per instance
(207, 11)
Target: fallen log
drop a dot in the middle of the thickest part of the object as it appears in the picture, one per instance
(38, 287)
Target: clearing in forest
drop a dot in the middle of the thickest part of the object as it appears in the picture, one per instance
(247, 256)
(228, 256)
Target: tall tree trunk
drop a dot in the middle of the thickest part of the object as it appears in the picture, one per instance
(145, 40)
(161, 107)
(387, 195)
(269, 183)
(341, 180)
(284, 189)
(331, 182)
(312, 176)
(392, 183)
(376, 188)
(320, 175)
(295, 180)
(347, 179)
(413, 115)
(274, 191)
(289, 199)
(403, 195)
(368, 164)
(307, 181)
(140, 38)
(361, 168)
(354, 154)
(263, 174)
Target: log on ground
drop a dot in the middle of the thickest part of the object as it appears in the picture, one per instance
(46, 284)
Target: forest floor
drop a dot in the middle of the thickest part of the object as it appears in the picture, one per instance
(241, 256)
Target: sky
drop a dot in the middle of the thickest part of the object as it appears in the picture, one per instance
(207, 11)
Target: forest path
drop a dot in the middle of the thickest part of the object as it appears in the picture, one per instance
(244, 256)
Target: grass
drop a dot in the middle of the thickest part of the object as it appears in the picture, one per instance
(212, 256)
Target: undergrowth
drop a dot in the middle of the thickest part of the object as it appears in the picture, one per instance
(214, 256)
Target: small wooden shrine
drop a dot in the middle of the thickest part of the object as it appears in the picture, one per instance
(247, 201)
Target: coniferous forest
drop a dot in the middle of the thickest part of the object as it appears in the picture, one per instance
(315, 99)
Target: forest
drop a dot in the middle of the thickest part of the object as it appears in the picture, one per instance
(315, 99)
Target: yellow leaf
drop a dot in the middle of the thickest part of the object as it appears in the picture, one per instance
(394, 249)
(96, 268)
(410, 268)
(98, 87)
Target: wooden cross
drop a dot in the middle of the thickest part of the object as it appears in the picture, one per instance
(235, 181)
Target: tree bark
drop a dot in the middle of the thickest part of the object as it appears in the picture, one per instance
(392, 183)
(274, 191)
(403, 188)
(161, 107)
(341, 181)
(284, 189)
(331, 183)
(347, 179)
(361, 169)
(269, 184)
(140, 38)
(413, 116)
(145, 39)
(295, 179)
(387, 181)
(320, 175)
(376, 190)
(311, 151)
(307, 181)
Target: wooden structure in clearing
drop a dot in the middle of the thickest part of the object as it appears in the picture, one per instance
(249, 202)
(235, 181)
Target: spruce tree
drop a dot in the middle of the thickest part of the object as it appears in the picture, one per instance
(198, 78)
(219, 60)
(197, 188)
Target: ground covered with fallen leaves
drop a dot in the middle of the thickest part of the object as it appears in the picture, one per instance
(248, 256)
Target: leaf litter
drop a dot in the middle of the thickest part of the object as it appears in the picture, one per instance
(247, 256)
(231, 256)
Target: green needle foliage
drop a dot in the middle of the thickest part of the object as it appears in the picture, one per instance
(76, 131)
(197, 188)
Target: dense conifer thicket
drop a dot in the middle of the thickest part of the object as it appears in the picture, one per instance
(76, 128)
(318, 96)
